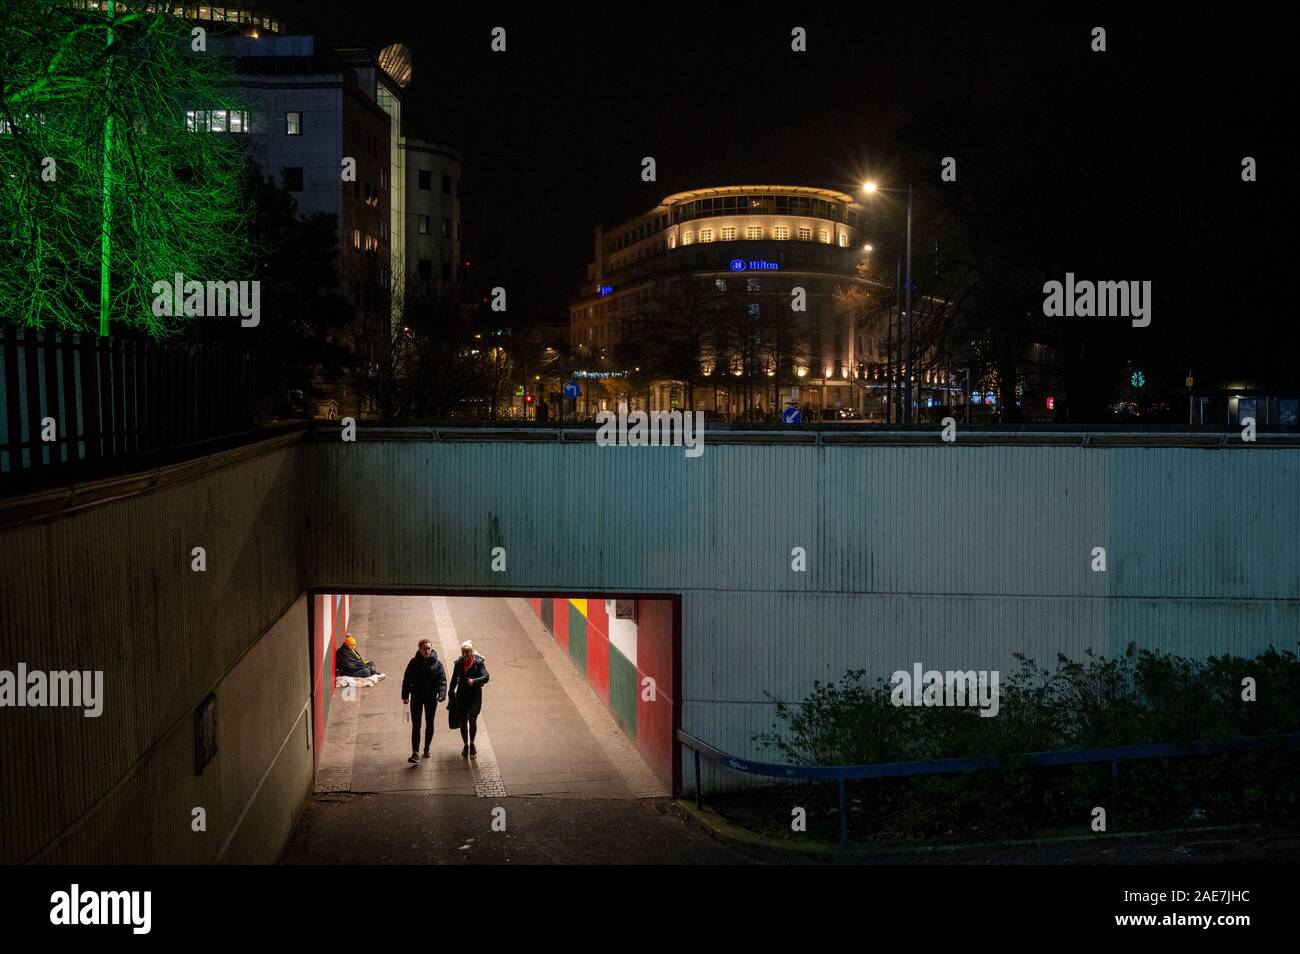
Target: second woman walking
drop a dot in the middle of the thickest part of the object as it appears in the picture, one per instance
(465, 697)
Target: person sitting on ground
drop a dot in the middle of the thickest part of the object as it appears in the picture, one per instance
(348, 662)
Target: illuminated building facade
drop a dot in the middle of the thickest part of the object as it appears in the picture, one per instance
(744, 252)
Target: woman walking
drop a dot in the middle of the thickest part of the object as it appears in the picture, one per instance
(468, 676)
(425, 685)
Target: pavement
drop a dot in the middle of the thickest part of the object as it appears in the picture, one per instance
(459, 829)
(553, 768)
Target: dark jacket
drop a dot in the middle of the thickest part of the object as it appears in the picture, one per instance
(425, 678)
(468, 699)
(348, 662)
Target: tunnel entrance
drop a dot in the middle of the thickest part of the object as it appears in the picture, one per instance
(581, 699)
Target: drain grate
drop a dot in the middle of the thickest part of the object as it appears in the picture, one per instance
(333, 796)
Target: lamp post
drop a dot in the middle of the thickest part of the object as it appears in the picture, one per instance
(869, 188)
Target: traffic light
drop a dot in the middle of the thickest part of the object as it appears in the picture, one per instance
(528, 399)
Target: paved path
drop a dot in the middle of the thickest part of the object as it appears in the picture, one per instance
(542, 730)
(458, 829)
(553, 767)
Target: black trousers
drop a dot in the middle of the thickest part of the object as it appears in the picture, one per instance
(425, 705)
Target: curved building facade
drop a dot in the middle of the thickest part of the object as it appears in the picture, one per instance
(736, 281)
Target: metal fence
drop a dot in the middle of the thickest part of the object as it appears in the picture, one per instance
(67, 397)
(841, 773)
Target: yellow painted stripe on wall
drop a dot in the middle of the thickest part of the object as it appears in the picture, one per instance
(581, 606)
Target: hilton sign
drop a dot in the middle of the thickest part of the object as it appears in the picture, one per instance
(740, 265)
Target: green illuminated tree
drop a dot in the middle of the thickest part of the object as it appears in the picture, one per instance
(105, 187)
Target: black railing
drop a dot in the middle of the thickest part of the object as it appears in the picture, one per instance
(67, 398)
(841, 773)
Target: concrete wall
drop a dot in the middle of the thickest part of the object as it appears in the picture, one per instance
(955, 556)
(110, 587)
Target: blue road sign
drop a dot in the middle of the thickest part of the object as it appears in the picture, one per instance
(571, 389)
(792, 415)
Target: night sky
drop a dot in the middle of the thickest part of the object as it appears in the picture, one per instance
(553, 131)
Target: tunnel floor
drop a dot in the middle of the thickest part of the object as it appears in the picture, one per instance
(542, 731)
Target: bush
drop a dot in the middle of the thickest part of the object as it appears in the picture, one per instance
(1139, 697)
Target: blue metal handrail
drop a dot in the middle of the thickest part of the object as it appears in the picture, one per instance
(840, 773)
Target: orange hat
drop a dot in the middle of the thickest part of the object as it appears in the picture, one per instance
(349, 641)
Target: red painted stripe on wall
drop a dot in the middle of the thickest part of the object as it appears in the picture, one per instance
(654, 656)
(317, 677)
(598, 648)
(597, 618)
(560, 621)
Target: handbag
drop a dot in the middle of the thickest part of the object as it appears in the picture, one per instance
(453, 713)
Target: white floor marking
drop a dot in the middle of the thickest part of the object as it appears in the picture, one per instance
(487, 774)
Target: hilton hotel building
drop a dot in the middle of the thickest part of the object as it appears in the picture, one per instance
(760, 241)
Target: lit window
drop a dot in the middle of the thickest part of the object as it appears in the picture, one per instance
(218, 120)
(423, 223)
(688, 238)
(781, 232)
(356, 238)
(805, 234)
(728, 234)
(753, 284)
(238, 121)
(824, 235)
(293, 124)
(672, 241)
(447, 230)
(706, 235)
(844, 240)
(754, 232)
(721, 284)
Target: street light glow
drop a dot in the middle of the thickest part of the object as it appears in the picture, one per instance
(868, 248)
(868, 187)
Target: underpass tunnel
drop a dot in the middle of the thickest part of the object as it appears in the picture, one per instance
(581, 698)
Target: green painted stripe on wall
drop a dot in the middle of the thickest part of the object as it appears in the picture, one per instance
(578, 638)
(622, 691)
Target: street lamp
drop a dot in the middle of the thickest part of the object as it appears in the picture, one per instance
(870, 188)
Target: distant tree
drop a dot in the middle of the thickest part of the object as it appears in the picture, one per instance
(379, 342)
(439, 322)
(676, 333)
(301, 340)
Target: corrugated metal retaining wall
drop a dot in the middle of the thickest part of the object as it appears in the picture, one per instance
(111, 587)
(955, 556)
